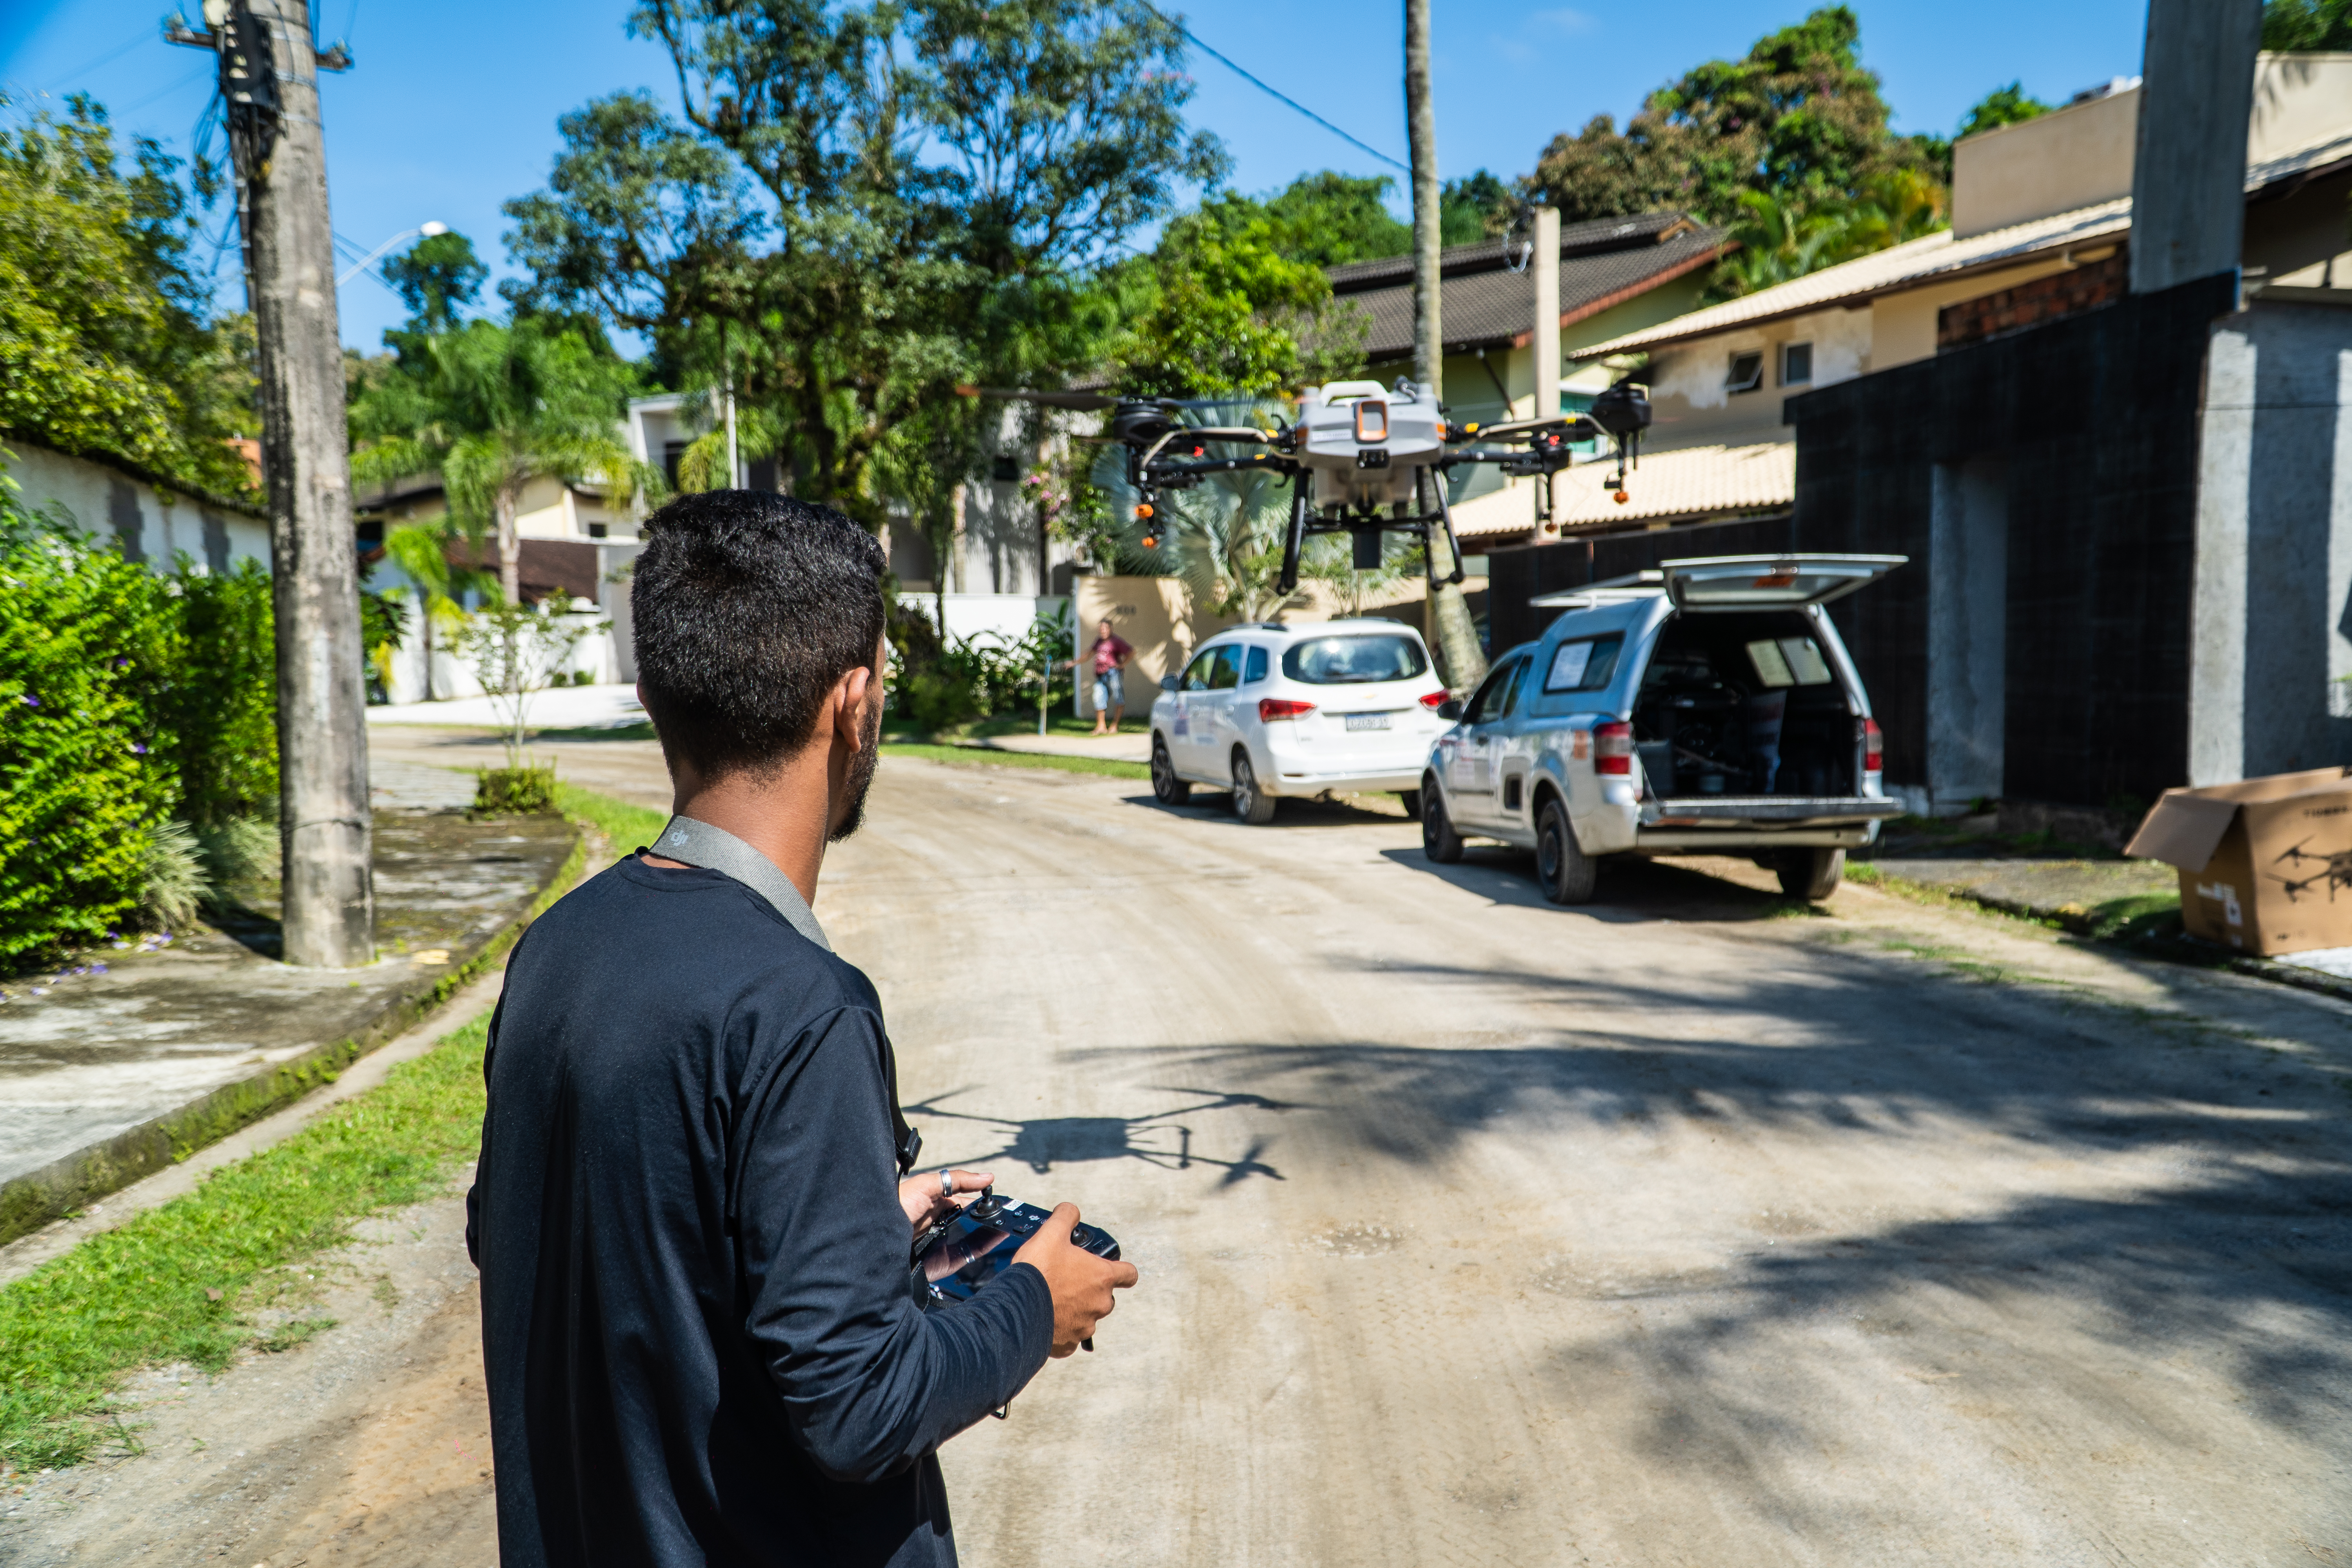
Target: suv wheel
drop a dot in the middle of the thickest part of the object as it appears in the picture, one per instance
(1251, 803)
(1567, 873)
(1438, 839)
(1166, 787)
(1411, 800)
(1811, 874)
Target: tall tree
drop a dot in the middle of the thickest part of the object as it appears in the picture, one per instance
(106, 345)
(2308, 26)
(1797, 116)
(2010, 105)
(884, 199)
(1222, 308)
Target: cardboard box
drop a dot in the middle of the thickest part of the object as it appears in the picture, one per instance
(2265, 864)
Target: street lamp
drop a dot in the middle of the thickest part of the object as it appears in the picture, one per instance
(425, 230)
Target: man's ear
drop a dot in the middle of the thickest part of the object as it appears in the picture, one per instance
(849, 699)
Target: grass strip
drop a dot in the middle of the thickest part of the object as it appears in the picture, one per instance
(625, 826)
(186, 1281)
(195, 1279)
(1106, 767)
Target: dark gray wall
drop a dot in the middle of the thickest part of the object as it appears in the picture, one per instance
(2093, 420)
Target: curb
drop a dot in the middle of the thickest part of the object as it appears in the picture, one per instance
(2172, 950)
(59, 1188)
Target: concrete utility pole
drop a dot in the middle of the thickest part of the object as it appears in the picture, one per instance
(269, 90)
(1456, 635)
(1546, 267)
(2189, 175)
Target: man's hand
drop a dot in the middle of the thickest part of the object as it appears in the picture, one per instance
(926, 1197)
(1081, 1282)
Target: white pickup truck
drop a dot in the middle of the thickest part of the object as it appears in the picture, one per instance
(1706, 707)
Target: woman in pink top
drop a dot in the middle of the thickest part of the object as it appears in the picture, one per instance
(1111, 653)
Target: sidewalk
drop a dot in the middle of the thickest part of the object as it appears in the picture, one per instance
(557, 707)
(1132, 744)
(2091, 893)
(133, 1055)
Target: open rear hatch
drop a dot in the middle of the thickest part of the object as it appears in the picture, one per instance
(1745, 716)
(1770, 582)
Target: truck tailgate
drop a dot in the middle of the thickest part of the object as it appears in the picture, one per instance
(1778, 810)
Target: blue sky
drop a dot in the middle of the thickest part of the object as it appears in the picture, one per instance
(453, 107)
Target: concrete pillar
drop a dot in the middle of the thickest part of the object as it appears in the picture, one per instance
(2189, 177)
(1967, 632)
(2217, 617)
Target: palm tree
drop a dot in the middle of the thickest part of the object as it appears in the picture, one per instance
(493, 406)
(421, 551)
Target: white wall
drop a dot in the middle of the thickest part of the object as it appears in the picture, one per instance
(1008, 615)
(146, 523)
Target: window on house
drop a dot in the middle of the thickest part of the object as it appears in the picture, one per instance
(1747, 372)
(1005, 470)
(1796, 364)
(598, 531)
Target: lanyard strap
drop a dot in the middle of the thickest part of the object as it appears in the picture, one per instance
(692, 843)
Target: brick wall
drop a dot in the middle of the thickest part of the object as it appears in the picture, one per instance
(2031, 304)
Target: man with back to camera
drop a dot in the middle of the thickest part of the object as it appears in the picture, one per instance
(700, 1342)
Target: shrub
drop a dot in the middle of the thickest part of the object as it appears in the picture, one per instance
(975, 678)
(88, 643)
(224, 698)
(175, 882)
(509, 791)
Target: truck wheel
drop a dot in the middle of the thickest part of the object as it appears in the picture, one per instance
(1251, 803)
(1438, 839)
(1411, 800)
(1812, 874)
(1567, 873)
(1166, 787)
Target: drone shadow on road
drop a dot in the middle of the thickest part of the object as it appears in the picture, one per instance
(1069, 1140)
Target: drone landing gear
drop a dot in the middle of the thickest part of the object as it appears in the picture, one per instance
(1366, 529)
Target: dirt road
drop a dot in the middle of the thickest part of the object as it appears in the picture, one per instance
(1680, 1229)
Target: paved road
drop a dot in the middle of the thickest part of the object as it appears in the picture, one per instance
(1676, 1230)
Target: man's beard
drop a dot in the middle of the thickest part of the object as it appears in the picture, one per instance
(861, 777)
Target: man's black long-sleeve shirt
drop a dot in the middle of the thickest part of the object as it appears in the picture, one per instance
(700, 1343)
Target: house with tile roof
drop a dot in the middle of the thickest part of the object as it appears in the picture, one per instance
(2040, 225)
(1617, 276)
(2123, 480)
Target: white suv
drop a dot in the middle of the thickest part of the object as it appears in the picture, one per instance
(1269, 710)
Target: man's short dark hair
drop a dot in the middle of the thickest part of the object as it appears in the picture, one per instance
(747, 607)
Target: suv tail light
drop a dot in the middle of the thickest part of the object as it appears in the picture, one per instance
(1873, 746)
(1269, 708)
(1613, 749)
(1433, 701)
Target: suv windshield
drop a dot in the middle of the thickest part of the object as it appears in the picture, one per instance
(1353, 660)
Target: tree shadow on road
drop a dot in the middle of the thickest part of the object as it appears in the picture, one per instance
(2219, 1214)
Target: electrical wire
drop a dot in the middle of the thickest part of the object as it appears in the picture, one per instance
(199, 74)
(1276, 92)
(107, 58)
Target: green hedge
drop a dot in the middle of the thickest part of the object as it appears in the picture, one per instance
(125, 697)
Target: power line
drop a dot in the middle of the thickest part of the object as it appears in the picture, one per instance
(1278, 94)
(105, 59)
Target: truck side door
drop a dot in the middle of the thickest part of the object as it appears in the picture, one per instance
(1471, 790)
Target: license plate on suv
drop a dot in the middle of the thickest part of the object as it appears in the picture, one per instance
(1367, 721)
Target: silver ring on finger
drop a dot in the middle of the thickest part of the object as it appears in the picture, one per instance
(947, 1184)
